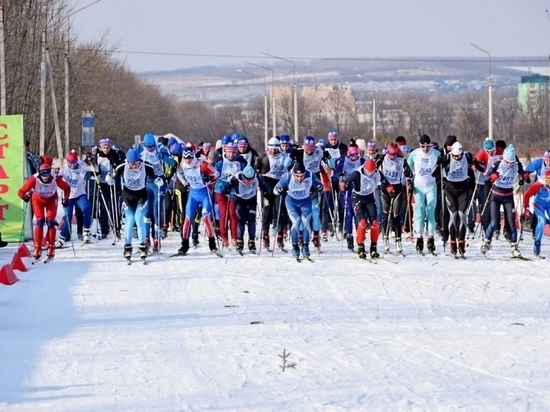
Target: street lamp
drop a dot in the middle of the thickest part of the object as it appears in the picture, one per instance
(373, 109)
(266, 111)
(67, 111)
(490, 91)
(273, 109)
(294, 91)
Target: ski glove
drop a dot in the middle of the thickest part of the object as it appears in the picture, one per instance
(109, 180)
(26, 198)
(65, 202)
(159, 181)
(493, 177)
(526, 213)
(390, 190)
(343, 186)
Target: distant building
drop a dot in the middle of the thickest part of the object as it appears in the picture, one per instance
(533, 91)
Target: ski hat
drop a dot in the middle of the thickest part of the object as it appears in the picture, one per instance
(242, 143)
(149, 140)
(457, 149)
(226, 139)
(72, 157)
(171, 141)
(424, 140)
(392, 149)
(132, 155)
(45, 170)
(284, 138)
(509, 154)
(489, 144)
(361, 144)
(187, 152)
(249, 172)
(353, 150)
(299, 168)
(230, 147)
(371, 145)
(546, 155)
(400, 140)
(333, 134)
(547, 177)
(309, 143)
(370, 165)
(435, 145)
(176, 149)
(274, 143)
(105, 141)
(407, 149)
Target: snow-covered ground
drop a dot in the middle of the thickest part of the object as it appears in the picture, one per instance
(86, 332)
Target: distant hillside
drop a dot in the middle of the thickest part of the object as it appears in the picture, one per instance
(444, 75)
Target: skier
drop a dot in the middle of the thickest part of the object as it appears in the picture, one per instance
(456, 165)
(228, 166)
(132, 177)
(299, 184)
(422, 162)
(363, 181)
(541, 207)
(345, 166)
(270, 165)
(42, 188)
(245, 185)
(198, 175)
(74, 173)
(503, 174)
(396, 172)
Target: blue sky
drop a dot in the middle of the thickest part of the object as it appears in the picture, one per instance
(172, 34)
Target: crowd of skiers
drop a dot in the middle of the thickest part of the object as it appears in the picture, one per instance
(308, 191)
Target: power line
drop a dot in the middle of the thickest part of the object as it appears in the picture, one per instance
(534, 59)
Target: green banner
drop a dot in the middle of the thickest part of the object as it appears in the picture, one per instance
(12, 166)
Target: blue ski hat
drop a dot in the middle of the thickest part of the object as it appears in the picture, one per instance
(249, 172)
(132, 155)
(284, 138)
(509, 154)
(489, 144)
(149, 140)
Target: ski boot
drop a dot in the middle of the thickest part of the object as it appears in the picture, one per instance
(240, 246)
(37, 251)
(195, 237)
(536, 249)
(155, 245)
(316, 242)
(142, 251)
(164, 232)
(212, 244)
(496, 234)
(431, 245)
(349, 238)
(398, 245)
(454, 249)
(147, 243)
(252, 245)
(127, 251)
(265, 241)
(51, 252)
(373, 252)
(461, 248)
(387, 243)
(86, 236)
(60, 242)
(305, 250)
(419, 245)
(295, 250)
(361, 251)
(184, 247)
(485, 245)
(324, 235)
(80, 236)
(280, 242)
(515, 251)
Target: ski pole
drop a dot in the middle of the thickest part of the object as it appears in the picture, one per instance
(277, 222)
(70, 227)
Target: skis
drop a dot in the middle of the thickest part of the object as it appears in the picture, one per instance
(301, 259)
(48, 259)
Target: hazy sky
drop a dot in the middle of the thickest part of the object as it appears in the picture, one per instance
(187, 30)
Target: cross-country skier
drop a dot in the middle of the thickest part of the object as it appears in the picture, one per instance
(132, 177)
(299, 184)
(541, 207)
(42, 189)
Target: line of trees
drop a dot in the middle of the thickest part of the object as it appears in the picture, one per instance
(127, 104)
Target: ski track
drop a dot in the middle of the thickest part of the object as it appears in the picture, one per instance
(202, 333)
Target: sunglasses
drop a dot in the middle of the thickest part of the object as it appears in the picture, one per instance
(424, 146)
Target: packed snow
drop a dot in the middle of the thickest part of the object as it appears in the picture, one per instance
(87, 332)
